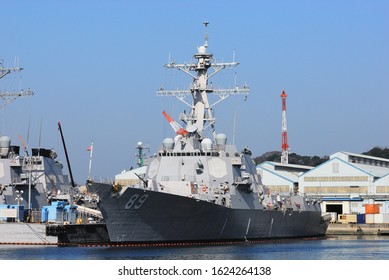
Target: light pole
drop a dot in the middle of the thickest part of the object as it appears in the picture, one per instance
(18, 199)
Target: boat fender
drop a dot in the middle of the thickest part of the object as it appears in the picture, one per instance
(204, 188)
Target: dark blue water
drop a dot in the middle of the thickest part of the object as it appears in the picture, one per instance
(329, 248)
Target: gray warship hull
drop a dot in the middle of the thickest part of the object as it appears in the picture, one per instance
(197, 188)
(161, 217)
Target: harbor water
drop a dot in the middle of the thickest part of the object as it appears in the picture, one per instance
(336, 247)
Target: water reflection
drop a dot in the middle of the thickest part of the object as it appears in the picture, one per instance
(334, 247)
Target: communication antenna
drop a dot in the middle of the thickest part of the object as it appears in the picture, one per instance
(284, 145)
(206, 23)
(141, 154)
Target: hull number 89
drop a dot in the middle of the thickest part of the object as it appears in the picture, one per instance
(136, 201)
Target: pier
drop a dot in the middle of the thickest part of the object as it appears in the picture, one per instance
(357, 229)
(25, 234)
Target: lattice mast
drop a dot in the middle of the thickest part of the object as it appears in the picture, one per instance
(284, 145)
(8, 97)
(201, 113)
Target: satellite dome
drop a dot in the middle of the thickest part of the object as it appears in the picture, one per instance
(5, 142)
(202, 50)
(168, 143)
(221, 139)
(206, 144)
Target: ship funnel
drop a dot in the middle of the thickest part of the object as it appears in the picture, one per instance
(5, 143)
(168, 144)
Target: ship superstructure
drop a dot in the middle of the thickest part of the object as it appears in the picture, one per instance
(28, 178)
(39, 176)
(203, 189)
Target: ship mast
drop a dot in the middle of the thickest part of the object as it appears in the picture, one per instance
(201, 114)
(8, 97)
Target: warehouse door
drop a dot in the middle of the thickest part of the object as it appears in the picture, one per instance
(338, 208)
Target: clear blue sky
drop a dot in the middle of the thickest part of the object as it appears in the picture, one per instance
(95, 66)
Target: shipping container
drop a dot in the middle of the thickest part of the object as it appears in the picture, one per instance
(378, 218)
(372, 209)
(44, 215)
(8, 213)
(369, 218)
(347, 218)
(361, 218)
(386, 207)
(381, 218)
(71, 213)
(54, 214)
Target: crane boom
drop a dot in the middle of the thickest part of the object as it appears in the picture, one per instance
(177, 128)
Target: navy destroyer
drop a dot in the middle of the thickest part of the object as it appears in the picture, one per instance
(199, 188)
(31, 179)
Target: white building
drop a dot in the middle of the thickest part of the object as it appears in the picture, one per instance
(280, 177)
(129, 178)
(382, 188)
(348, 181)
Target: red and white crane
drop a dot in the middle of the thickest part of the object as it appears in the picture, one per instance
(284, 145)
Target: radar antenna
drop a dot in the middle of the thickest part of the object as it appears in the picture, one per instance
(201, 115)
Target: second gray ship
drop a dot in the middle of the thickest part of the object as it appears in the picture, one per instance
(29, 179)
(201, 189)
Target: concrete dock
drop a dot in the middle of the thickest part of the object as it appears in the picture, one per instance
(25, 233)
(358, 229)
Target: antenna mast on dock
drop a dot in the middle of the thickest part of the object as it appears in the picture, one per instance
(284, 145)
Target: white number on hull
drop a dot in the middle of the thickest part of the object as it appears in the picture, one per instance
(136, 201)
